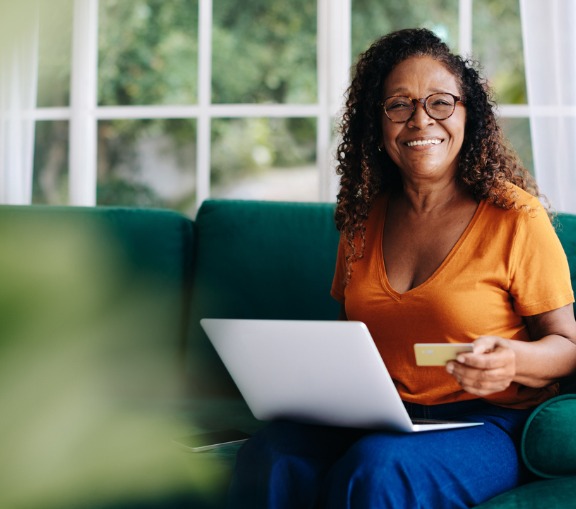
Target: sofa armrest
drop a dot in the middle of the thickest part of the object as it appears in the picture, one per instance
(549, 441)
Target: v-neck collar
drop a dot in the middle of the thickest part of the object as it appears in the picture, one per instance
(451, 254)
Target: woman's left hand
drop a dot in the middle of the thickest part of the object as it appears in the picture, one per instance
(490, 368)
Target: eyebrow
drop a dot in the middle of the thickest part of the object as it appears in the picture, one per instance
(404, 91)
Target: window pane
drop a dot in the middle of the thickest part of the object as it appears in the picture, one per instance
(148, 52)
(497, 44)
(266, 159)
(54, 53)
(148, 163)
(50, 173)
(373, 18)
(264, 51)
(517, 130)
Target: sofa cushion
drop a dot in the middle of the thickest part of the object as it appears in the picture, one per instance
(257, 259)
(549, 441)
(550, 493)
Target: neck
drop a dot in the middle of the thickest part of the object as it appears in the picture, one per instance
(432, 198)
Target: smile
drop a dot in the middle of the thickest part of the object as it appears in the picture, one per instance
(422, 143)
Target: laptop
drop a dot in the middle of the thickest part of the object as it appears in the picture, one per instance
(318, 372)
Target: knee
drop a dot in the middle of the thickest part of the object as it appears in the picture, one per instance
(372, 475)
(374, 455)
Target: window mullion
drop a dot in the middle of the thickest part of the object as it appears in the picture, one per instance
(83, 99)
(465, 27)
(203, 141)
(333, 50)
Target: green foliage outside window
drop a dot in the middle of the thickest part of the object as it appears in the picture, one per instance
(373, 18)
(264, 51)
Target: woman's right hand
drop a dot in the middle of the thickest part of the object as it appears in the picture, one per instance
(489, 368)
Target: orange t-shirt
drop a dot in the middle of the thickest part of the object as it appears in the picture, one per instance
(507, 264)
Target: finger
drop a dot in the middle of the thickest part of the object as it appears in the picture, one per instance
(470, 374)
(484, 344)
(501, 356)
(481, 378)
(493, 360)
(485, 389)
(483, 381)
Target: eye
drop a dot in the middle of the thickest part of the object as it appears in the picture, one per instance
(398, 103)
(441, 100)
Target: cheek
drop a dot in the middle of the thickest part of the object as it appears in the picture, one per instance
(458, 131)
(392, 150)
(389, 136)
(458, 140)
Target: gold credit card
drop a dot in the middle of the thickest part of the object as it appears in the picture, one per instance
(438, 354)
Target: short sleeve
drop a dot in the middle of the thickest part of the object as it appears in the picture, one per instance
(338, 283)
(540, 276)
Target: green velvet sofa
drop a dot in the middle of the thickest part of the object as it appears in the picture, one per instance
(136, 282)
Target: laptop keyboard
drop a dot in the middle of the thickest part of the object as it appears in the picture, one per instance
(431, 421)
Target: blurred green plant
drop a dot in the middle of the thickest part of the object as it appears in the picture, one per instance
(83, 377)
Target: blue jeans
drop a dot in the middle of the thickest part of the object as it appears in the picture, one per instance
(289, 465)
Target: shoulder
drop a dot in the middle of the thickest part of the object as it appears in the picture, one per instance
(524, 221)
(523, 200)
(519, 207)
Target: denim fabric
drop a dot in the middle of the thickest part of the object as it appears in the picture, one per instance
(292, 465)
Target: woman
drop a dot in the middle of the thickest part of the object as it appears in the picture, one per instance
(442, 240)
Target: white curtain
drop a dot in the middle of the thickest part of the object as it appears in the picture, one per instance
(549, 37)
(18, 83)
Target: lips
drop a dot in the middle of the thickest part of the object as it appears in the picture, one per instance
(424, 143)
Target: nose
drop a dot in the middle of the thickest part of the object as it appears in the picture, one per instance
(419, 118)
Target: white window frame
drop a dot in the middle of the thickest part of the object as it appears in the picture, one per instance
(333, 57)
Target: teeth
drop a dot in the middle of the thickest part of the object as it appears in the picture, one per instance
(420, 143)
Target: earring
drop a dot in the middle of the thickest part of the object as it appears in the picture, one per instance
(380, 148)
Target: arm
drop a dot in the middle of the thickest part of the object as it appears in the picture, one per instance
(497, 362)
(551, 355)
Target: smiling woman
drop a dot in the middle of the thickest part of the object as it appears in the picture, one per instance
(426, 178)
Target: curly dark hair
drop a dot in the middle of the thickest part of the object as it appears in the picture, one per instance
(486, 164)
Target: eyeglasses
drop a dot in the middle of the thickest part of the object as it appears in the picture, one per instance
(439, 106)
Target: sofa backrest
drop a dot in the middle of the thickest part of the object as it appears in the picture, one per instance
(256, 259)
(566, 229)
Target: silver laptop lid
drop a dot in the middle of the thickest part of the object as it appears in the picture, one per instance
(324, 372)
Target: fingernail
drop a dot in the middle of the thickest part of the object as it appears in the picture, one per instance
(450, 368)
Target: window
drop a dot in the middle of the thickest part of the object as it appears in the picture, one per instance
(168, 102)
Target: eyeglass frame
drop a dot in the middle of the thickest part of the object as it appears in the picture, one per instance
(422, 101)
